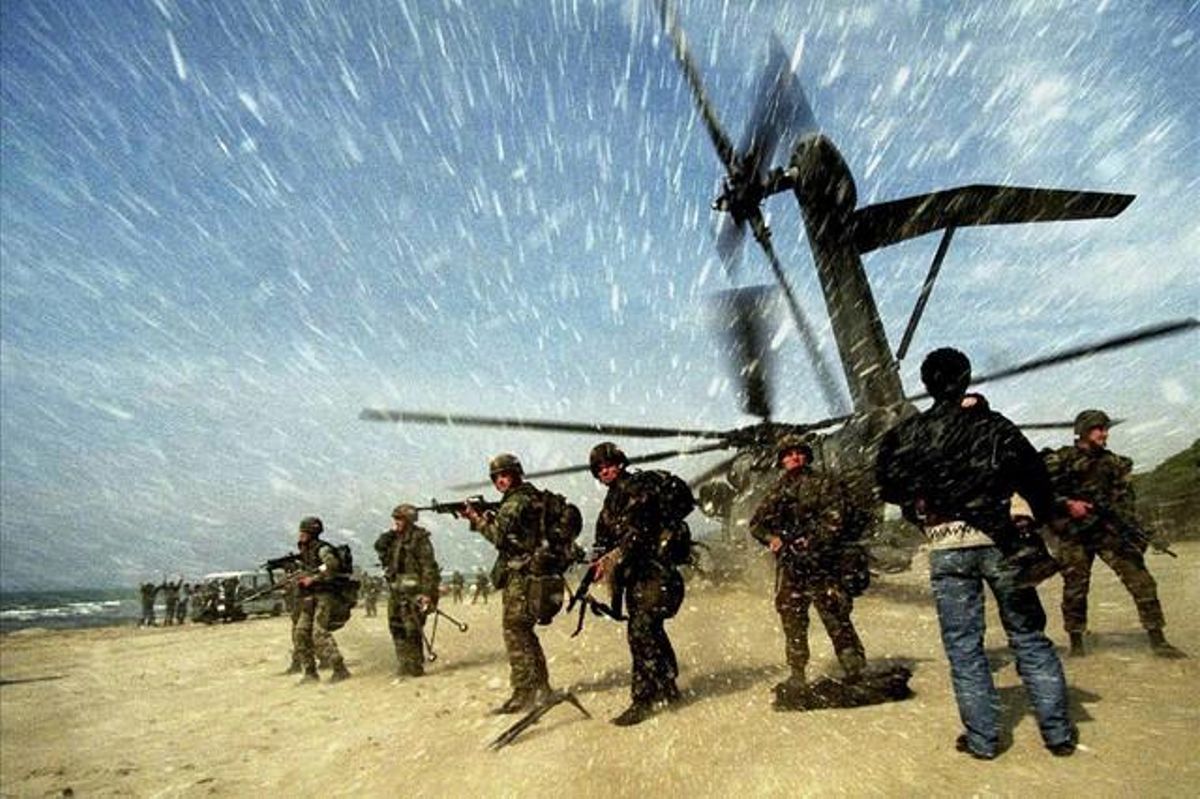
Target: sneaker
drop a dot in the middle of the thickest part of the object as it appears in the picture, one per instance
(1067, 747)
(961, 744)
(636, 713)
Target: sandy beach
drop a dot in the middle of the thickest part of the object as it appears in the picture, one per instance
(203, 711)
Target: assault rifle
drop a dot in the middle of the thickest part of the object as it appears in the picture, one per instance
(456, 508)
(1130, 531)
(288, 563)
(582, 597)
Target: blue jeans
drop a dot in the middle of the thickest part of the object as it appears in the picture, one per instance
(957, 577)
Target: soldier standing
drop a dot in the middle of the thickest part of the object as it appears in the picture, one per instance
(456, 586)
(482, 588)
(806, 520)
(312, 638)
(412, 574)
(1093, 484)
(636, 536)
(171, 596)
(148, 591)
(181, 610)
(514, 534)
(370, 595)
(953, 471)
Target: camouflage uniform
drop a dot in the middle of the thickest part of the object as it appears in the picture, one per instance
(171, 597)
(370, 595)
(509, 531)
(411, 570)
(457, 582)
(809, 511)
(148, 590)
(1103, 478)
(648, 582)
(482, 588)
(311, 636)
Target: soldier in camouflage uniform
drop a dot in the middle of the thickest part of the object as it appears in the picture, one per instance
(515, 536)
(804, 520)
(1093, 484)
(312, 637)
(412, 574)
(629, 534)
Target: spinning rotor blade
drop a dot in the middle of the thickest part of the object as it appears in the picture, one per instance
(743, 313)
(1049, 425)
(731, 233)
(780, 108)
(583, 467)
(717, 470)
(670, 23)
(825, 379)
(1139, 336)
(512, 423)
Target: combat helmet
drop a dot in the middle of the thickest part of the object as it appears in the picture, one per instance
(312, 525)
(790, 442)
(604, 453)
(405, 511)
(505, 462)
(1091, 418)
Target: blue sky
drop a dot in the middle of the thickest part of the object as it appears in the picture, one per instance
(225, 227)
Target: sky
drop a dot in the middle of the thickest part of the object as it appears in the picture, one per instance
(227, 226)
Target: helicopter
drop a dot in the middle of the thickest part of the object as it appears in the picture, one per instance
(839, 233)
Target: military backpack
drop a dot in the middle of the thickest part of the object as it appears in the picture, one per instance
(675, 502)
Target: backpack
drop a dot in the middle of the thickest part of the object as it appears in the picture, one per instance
(559, 523)
(675, 502)
(345, 588)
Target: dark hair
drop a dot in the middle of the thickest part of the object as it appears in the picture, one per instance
(946, 373)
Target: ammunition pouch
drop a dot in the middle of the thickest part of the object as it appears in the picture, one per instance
(853, 569)
(657, 591)
(544, 596)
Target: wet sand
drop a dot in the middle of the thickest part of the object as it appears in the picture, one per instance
(203, 711)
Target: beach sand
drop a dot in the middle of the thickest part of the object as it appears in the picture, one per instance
(203, 711)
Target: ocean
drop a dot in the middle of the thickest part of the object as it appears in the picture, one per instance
(69, 609)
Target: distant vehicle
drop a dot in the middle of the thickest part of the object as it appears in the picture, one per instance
(249, 583)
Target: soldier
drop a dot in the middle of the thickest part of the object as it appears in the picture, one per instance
(1093, 484)
(636, 533)
(482, 588)
(412, 574)
(370, 595)
(316, 603)
(181, 610)
(514, 535)
(148, 591)
(953, 471)
(806, 520)
(171, 596)
(456, 586)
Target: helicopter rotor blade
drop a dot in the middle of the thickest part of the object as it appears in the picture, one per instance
(514, 423)
(1139, 336)
(720, 140)
(808, 337)
(731, 233)
(651, 457)
(743, 314)
(781, 108)
(718, 469)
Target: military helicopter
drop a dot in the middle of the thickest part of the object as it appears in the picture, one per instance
(839, 234)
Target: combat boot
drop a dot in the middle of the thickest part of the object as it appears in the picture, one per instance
(636, 713)
(1162, 648)
(293, 669)
(310, 676)
(340, 672)
(1078, 647)
(515, 703)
